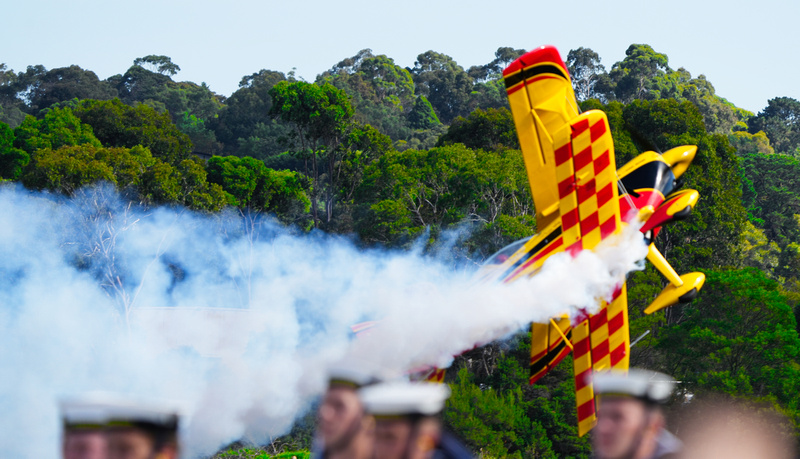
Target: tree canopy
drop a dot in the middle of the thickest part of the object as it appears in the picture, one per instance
(396, 157)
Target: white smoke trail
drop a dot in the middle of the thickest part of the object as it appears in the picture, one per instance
(233, 318)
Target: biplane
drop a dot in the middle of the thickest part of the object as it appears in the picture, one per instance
(581, 198)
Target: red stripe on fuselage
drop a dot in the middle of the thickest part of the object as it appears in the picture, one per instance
(647, 197)
(543, 253)
(515, 88)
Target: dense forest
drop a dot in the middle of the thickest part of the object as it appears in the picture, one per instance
(389, 154)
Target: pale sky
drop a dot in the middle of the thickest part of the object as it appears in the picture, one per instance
(748, 51)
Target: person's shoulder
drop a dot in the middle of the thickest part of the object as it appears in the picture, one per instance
(668, 446)
(450, 447)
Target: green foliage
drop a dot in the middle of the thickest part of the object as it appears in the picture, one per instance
(44, 88)
(662, 124)
(11, 115)
(11, 107)
(12, 160)
(789, 262)
(321, 116)
(493, 405)
(410, 190)
(68, 168)
(139, 84)
(361, 147)
(135, 172)
(780, 120)
(161, 64)
(65, 156)
(488, 95)
(415, 188)
(496, 424)
(711, 235)
(202, 138)
(196, 192)
(444, 83)
(60, 127)
(120, 125)
(738, 338)
(586, 72)
(259, 453)
(428, 187)
(746, 143)
(494, 70)
(489, 90)
(758, 251)
(381, 92)
(489, 130)
(197, 100)
(422, 116)
(772, 194)
(719, 115)
(153, 87)
(249, 184)
(643, 74)
(643, 287)
(244, 125)
(319, 112)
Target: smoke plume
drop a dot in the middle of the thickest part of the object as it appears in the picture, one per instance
(232, 317)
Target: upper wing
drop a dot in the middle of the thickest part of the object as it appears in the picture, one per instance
(542, 102)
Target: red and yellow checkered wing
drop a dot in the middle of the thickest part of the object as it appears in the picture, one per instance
(589, 211)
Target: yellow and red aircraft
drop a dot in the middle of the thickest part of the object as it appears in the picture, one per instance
(581, 198)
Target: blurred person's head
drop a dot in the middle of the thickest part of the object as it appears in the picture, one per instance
(407, 424)
(78, 443)
(103, 426)
(344, 428)
(83, 429)
(141, 439)
(629, 418)
(733, 430)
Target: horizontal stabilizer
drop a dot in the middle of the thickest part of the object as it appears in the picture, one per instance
(673, 294)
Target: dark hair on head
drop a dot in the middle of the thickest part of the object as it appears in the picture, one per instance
(162, 435)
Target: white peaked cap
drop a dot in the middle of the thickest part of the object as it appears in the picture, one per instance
(404, 398)
(77, 411)
(352, 372)
(649, 386)
(103, 408)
